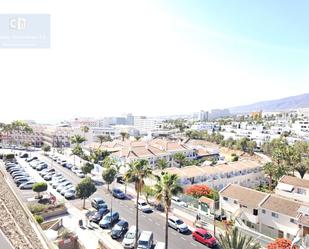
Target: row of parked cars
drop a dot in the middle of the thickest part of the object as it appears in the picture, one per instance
(119, 228)
(67, 165)
(20, 175)
(57, 180)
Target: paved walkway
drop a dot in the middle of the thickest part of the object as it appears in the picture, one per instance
(4, 242)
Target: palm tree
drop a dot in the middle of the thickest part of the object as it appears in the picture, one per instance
(179, 158)
(270, 170)
(137, 172)
(235, 240)
(302, 167)
(167, 185)
(77, 139)
(103, 138)
(162, 164)
(123, 135)
(85, 129)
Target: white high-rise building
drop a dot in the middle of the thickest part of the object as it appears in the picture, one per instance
(203, 116)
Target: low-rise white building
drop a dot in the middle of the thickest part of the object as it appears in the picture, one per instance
(293, 188)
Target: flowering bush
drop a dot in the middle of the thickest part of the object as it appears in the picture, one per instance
(280, 243)
(198, 190)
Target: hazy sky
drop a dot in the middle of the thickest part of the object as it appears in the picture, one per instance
(155, 57)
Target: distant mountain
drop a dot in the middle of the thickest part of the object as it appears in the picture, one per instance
(294, 102)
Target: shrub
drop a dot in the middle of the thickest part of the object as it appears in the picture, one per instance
(39, 219)
(198, 190)
(9, 156)
(39, 187)
(279, 243)
(235, 158)
(36, 208)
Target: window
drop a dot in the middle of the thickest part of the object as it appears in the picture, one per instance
(255, 212)
(275, 215)
(243, 206)
(225, 198)
(293, 221)
(263, 211)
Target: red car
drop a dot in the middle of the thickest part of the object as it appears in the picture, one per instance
(204, 237)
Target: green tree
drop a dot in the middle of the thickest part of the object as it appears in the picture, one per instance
(270, 170)
(87, 168)
(179, 158)
(103, 138)
(46, 148)
(167, 186)
(85, 189)
(109, 175)
(161, 164)
(77, 139)
(39, 187)
(251, 145)
(137, 172)
(235, 240)
(124, 135)
(148, 191)
(85, 129)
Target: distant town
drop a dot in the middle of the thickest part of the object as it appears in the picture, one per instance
(244, 171)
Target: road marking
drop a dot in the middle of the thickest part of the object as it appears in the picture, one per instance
(183, 238)
(193, 244)
(150, 219)
(157, 224)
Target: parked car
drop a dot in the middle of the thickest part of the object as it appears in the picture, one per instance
(49, 176)
(34, 163)
(119, 229)
(74, 169)
(220, 217)
(176, 200)
(145, 241)
(69, 165)
(63, 185)
(128, 241)
(109, 219)
(143, 206)
(16, 169)
(70, 194)
(177, 224)
(120, 179)
(25, 155)
(20, 177)
(22, 180)
(63, 163)
(97, 203)
(19, 174)
(46, 171)
(66, 188)
(31, 159)
(204, 237)
(41, 167)
(58, 182)
(97, 216)
(27, 185)
(10, 165)
(116, 192)
(80, 173)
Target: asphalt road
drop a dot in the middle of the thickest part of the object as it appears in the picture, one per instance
(154, 221)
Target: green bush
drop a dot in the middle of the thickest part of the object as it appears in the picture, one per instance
(9, 156)
(36, 208)
(235, 159)
(39, 218)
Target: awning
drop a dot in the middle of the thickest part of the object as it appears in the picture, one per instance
(285, 187)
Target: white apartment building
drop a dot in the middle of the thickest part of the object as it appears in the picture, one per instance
(293, 188)
(301, 126)
(271, 215)
(237, 202)
(146, 124)
(246, 173)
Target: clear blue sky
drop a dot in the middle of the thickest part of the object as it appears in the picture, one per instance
(156, 57)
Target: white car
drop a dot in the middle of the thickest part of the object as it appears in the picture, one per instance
(66, 189)
(129, 238)
(80, 173)
(63, 185)
(27, 185)
(143, 206)
(74, 169)
(70, 194)
(177, 224)
(57, 183)
(176, 200)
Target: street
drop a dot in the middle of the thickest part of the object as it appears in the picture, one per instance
(154, 221)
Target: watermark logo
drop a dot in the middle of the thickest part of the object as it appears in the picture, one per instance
(24, 31)
(18, 23)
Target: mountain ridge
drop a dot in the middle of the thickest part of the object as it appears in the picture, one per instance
(282, 104)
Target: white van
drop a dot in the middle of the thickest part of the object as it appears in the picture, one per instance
(145, 241)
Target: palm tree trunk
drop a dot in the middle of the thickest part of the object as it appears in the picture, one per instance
(108, 187)
(270, 182)
(84, 203)
(136, 220)
(166, 226)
